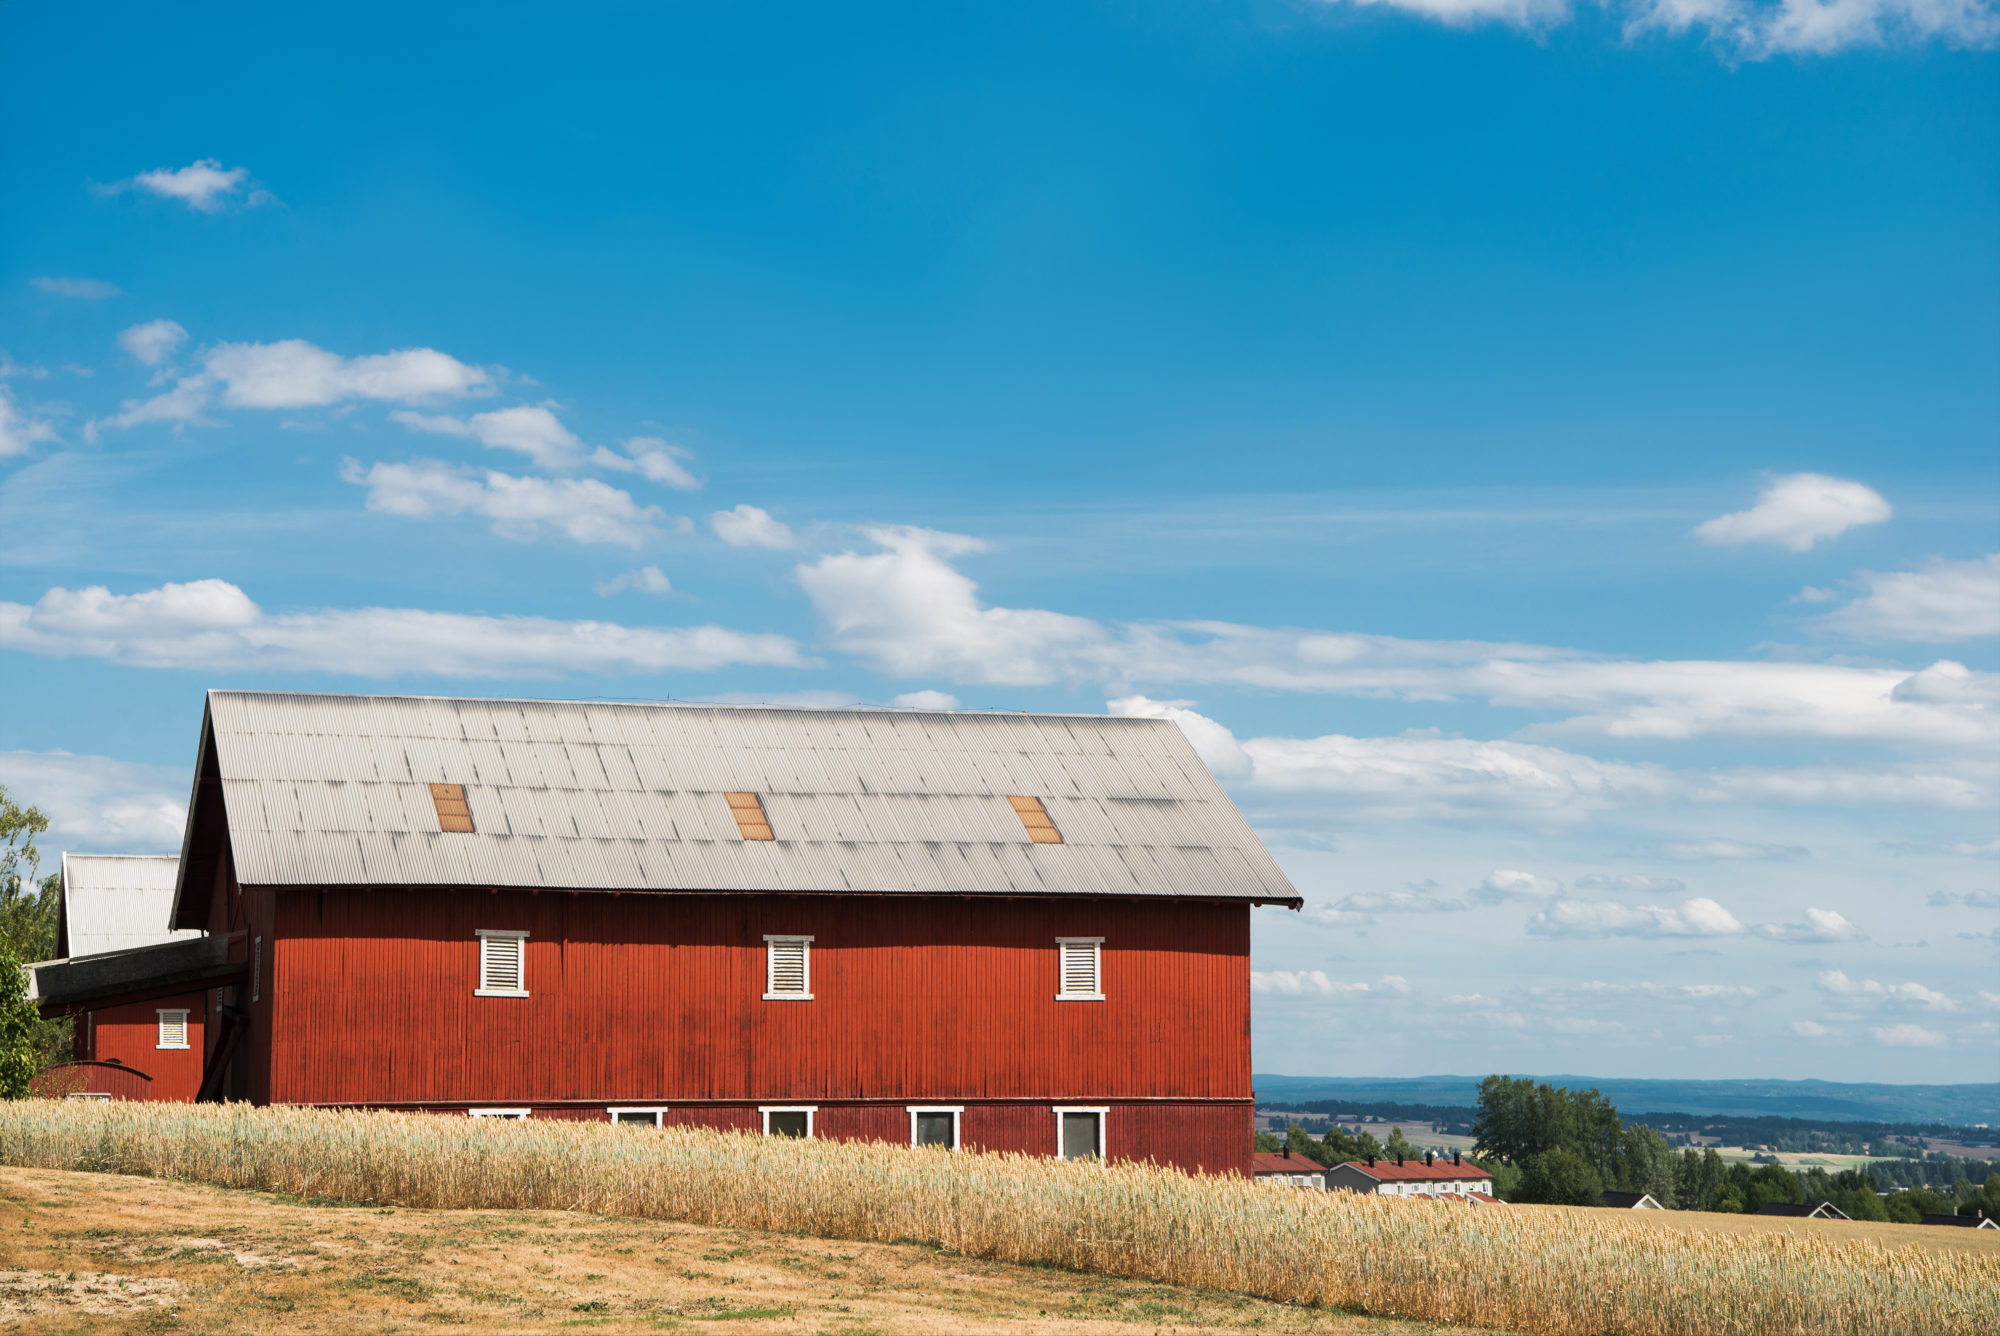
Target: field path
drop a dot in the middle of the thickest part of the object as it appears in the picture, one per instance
(92, 1253)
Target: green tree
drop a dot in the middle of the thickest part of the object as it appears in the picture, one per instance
(27, 906)
(20, 1027)
(1911, 1205)
(1559, 1176)
(1398, 1146)
(1771, 1183)
(1647, 1164)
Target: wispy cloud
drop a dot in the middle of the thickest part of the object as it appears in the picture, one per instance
(213, 624)
(1942, 602)
(908, 611)
(645, 580)
(1742, 29)
(98, 802)
(82, 289)
(1912, 995)
(1317, 983)
(20, 431)
(1697, 916)
(205, 186)
(583, 510)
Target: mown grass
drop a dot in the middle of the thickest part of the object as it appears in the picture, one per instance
(1563, 1273)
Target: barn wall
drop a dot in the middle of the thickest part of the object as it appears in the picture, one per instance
(130, 1035)
(640, 999)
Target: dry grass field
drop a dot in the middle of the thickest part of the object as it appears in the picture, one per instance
(1527, 1270)
(94, 1253)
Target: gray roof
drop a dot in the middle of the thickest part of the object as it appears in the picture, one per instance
(114, 902)
(333, 790)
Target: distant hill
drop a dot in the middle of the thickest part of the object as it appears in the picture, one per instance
(1959, 1105)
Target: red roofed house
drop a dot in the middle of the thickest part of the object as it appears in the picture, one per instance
(1286, 1170)
(1428, 1177)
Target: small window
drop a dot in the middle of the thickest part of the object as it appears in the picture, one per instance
(173, 1028)
(637, 1117)
(787, 969)
(1078, 977)
(792, 1120)
(748, 809)
(1035, 818)
(935, 1125)
(1080, 1133)
(89, 1094)
(515, 1114)
(452, 813)
(503, 963)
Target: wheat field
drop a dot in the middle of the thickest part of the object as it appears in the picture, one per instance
(1563, 1273)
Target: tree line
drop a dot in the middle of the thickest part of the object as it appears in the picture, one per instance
(1543, 1143)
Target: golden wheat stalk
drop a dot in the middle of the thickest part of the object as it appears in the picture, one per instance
(1520, 1270)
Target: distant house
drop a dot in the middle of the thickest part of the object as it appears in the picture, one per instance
(1818, 1210)
(1629, 1201)
(1428, 1177)
(1963, 1221)
(144, 1045)
(1284, 1169)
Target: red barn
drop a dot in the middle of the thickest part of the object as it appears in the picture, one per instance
(1018, 932)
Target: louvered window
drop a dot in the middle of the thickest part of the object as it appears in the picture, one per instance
(173, 1028)
(1035, 820)
(751, 822)
(452, 813)
(1078, 977)
(256, 969)
(787, 968)
(503, 963)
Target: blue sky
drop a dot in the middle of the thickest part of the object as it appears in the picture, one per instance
(1543, 454)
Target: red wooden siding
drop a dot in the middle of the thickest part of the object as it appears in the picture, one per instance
(130, 1035)
(655, 1000)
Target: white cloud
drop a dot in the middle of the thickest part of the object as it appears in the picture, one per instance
(529, 429)
(1912, 995)
(646, 580)
(212, 624)
(1820, 925)
(293, 373)
(1508, 884)
(748, 526)
(98, 803)
(1695, 917)
(909, 612)
(19, 432)
(1746, 29)
(1711, 851)
(153, 342)
(925, 700)
(1809, 1029)
(1315, 983)
(653, 459)
(1907, 1036)
(183, 405)
(205, 185)
(83, 289)
(1631, 882)
(583, 510)
(1797, 511)
(1944, 601)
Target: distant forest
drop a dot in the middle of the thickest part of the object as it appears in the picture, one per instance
(1549, 1144)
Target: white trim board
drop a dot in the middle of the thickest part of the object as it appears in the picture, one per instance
(957, 1112)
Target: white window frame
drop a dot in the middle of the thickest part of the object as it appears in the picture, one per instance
(1097, 969)
(657, 1111)
(1103, 1112)
(483, 934)
(499, 1113)
(764, 1112)
(163, 1013)
(806, 966)
(957, 1112)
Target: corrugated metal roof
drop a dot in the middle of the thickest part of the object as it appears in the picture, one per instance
(114, 902)
(334, 790)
